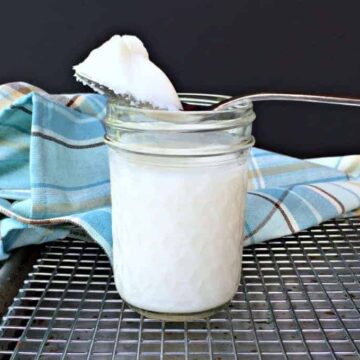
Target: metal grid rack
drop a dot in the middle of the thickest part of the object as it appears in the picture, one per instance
(299, 299)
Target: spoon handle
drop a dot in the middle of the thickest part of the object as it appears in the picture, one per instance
(322, 99)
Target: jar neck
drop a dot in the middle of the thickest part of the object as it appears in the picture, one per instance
(230, 159)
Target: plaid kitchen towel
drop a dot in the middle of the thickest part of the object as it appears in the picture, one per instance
(54, 172)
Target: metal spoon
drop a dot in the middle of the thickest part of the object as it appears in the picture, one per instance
(322, 99)
(233, 102)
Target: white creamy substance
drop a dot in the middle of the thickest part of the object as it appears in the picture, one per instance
(177, 231)
(122, 64)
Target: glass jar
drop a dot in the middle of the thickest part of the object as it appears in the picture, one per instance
(178, 190)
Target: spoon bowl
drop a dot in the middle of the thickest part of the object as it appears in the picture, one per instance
(122, 99)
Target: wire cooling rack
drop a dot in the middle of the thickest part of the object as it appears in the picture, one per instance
(299, 299)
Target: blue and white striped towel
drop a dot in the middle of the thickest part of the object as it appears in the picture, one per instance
(54, 172)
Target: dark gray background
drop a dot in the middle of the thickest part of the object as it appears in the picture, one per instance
(229, 46)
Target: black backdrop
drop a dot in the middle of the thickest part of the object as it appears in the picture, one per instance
(228, 46)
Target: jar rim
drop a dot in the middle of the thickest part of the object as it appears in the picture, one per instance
(211, 100)
(120, 117)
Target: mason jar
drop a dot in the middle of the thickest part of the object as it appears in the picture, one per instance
(178, 192)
